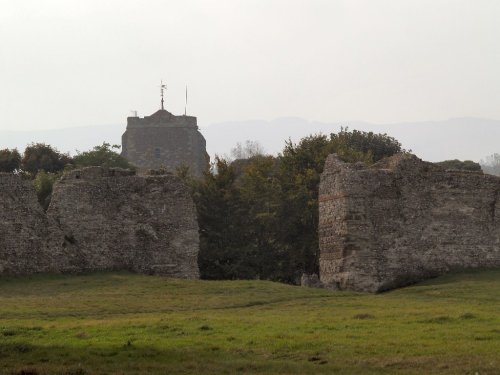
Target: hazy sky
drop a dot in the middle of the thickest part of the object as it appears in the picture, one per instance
(67, 63)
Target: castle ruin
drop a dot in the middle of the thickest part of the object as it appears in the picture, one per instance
(403, 220)
(99, 219)
(382, 226)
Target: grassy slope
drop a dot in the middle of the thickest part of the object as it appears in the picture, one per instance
(118, 323)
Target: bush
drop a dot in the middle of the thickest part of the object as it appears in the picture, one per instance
(39, 156)
(10, 160)
(102, 156)
(43, 183)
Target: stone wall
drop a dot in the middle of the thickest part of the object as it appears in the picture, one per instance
(403, 220)
(163, 140)
(99, 219)
(29, 240)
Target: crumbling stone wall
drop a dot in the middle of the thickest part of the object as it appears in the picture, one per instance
(163, 140)
(100, 219)
(403, 220)
(29, 240)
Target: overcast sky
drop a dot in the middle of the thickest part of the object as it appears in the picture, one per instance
(66, 63)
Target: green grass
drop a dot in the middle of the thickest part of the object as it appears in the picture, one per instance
(119, 323)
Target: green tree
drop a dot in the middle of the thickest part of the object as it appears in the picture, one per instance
(261, 195)
(300, 169)
(225, 248)
(10, 160)
(102, 156)
(40, 156)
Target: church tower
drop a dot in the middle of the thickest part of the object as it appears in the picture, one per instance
(163, 140)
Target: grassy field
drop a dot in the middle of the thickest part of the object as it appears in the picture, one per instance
(119, 323)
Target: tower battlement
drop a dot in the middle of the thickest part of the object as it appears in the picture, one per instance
(162, 118)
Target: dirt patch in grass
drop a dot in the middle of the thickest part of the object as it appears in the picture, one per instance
(437, 320)
(25, 371)
(363, 316)
(467, 315)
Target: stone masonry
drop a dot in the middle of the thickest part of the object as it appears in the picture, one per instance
(163, 140)
(100, 219)
(403, 220)
(29, 240)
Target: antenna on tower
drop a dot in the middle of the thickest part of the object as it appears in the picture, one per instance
(186, 103)
(134, 113)
(162, 88)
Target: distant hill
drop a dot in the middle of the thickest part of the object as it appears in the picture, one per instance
(459, 138)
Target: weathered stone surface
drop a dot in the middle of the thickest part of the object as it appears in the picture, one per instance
(99, 219)
(29, 241)
(163, 140)
(119, 220)
(403, 220)
(311, 281)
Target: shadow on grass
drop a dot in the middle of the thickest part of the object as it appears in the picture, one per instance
(477, 275)
(28, 359)
(50, 283)
(127, 359)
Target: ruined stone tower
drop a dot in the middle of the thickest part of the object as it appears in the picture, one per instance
(402, 220)
(163, 140)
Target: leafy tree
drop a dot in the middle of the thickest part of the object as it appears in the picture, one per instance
(40, 156)
(300, 169)
(10, 160)
(261, 194)
(466, 165)
(103, 156)
(225, 248)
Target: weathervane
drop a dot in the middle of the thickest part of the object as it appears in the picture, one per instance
(162, 88)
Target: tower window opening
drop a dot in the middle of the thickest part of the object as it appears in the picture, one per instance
(157, 153)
